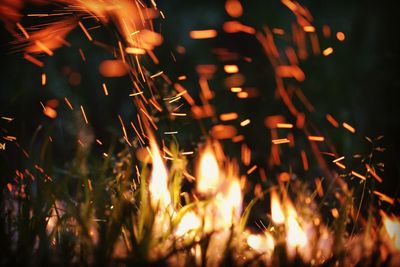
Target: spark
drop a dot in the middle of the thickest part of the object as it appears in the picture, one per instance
(384, 197)
(105, 89)
(242, 95)
(82, 54)
(121, 50)
(309, 28)
(280, 141)
(236, 89)
(24, 32)
(316, 138)
(340, 36)
(332, 120)
(174, 99)
(327, 51)
(178, 114)
(245, 122)
(123, 128)
(135, 94)
(348, 127)
(68, 103)
(33, 60)
(156, 75)
(84, 115)
(44, 48)
(278, 31)
(135, 51)
(85, 31)
(43, 79)
(234, 8)
(252, 169)
(7, 119)
(237, 138)
(356, 174)
(371, 171)
(340, 165)
(228, 116)
(338, 159)
(231, 69)
(284, 125)
(304, 160)
(10, 138)
(203, 34)
(335, 213)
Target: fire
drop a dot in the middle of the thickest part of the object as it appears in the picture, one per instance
(190, 221)
(296, 237)
(261, 242)
(230, 204)
(392, 226)
(276, 210)
(209, 174)
(160, 196)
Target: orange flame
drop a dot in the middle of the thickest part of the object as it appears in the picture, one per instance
(261, 242)
(296, 237)
(229, 204)
(209, 174)
(392, 226)
(190, 221)
(276, 209)
(158, 185)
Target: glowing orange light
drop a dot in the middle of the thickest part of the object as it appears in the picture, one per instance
(392, 226)
(208, 176)
(190, 221)
(261, 243)
(50, 112)
(349, 127)
(135, 51)
(234, 8)
(327, 51)
(236, 89)
(340, 36)
(158, 186)
(113, 68)
(276, 209)
(228, 116)
(296, 237)
(242, 95)
(316, 138)
(231, 69)
(203, 34)
(309, 28)
(284, 125)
